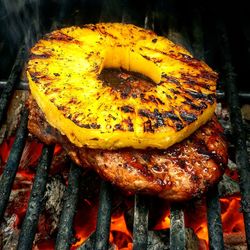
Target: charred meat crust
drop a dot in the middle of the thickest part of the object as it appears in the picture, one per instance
(181, 172)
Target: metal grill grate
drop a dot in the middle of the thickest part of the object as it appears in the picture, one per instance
(124, 12)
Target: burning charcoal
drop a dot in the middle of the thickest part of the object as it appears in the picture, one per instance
(49, 219)
(159, 240)
(235, 241)
(192, 241)
(228, 186)
(13, 114)
(9, 233)
(54, 199)
(231, 165)
(89, 244)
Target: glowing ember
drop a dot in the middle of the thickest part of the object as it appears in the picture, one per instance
(85, 219)
(164, 222)
(119, 234)
(5, 149)
(232, 217)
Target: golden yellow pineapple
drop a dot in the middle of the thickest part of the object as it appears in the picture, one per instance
(63, 73)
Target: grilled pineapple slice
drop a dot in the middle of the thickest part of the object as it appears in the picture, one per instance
(63, 73)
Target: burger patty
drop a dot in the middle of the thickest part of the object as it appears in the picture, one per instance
(181, 172)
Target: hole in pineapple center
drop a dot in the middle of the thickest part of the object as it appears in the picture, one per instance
(127, 83)
(128, 59)
(128, 72)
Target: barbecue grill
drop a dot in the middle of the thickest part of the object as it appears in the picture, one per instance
(209, 33)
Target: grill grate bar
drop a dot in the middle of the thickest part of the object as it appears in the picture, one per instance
(65, 232)
(21, 85)
(30, 222)
(177, 229)
(242, 160)
(215, 231)
(104, 217)
(140, 227)
(9, 173)
(12, 81)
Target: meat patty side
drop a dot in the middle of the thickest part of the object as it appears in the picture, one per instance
(181, 172)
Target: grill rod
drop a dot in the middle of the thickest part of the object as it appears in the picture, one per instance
(12, 82)
(177, 229)
(215, 231)
(30, 222)
(140, 227)
(104, 217)
(65, 230)
(242, 160)
(9, 173)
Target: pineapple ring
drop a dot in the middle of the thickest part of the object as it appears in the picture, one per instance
(63, 73)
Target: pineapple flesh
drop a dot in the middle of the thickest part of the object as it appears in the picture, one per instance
(63, 73)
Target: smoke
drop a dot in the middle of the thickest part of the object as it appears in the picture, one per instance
(20, 24)
(21, 21)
